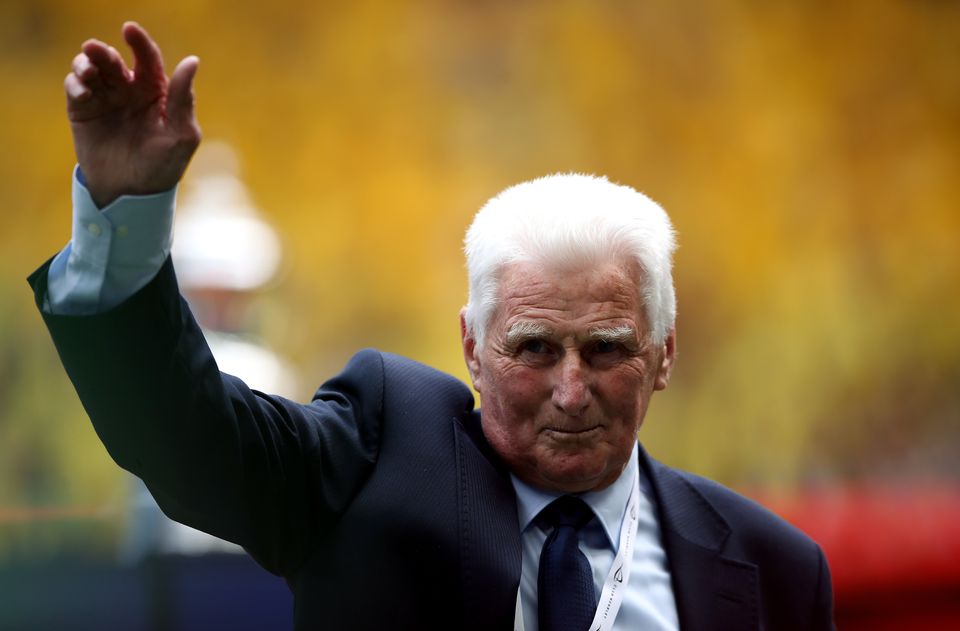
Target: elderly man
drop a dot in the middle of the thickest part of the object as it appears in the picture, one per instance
(388, 501)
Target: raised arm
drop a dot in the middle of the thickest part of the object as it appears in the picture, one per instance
(262, 471)
(134, 131)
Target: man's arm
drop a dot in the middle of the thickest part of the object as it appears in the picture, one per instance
(255, 469)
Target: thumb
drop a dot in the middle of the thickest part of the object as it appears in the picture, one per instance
(180, 93)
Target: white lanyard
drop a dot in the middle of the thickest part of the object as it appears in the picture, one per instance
(611, 596)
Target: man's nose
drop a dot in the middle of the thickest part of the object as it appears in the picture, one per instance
(571, 388)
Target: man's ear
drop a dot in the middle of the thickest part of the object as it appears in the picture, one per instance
(470, 350)
(666, 364)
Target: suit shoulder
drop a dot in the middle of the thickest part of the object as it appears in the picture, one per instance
(410, 383)
(753, 527)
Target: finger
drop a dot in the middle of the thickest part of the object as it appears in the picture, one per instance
(180, 96)
(77, 91)
(86, 72)
(148, 60)
(109, 63)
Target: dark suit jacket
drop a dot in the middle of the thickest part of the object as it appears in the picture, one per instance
(380, 502)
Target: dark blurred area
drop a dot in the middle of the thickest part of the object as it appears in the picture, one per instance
(807, 152)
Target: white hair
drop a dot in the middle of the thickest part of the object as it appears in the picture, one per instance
(571, 219)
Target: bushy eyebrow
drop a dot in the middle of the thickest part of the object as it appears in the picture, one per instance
(617, 334)
(526, 330)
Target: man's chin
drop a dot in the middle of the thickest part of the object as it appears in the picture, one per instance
(576, 473)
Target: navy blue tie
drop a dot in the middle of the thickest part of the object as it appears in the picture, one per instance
(565, 596)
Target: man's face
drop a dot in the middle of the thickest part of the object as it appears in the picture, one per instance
(566, 373)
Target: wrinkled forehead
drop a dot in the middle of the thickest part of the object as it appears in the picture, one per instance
(529, 290)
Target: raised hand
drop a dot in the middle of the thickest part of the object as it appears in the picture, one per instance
(134, 131)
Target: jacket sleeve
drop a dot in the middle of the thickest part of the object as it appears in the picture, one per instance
(261, 471)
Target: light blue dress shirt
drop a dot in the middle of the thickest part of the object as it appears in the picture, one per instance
(648, 602)
(115, 251)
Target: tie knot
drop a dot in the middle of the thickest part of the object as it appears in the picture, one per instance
(567, 511)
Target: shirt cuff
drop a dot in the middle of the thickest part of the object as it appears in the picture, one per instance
(113, 252)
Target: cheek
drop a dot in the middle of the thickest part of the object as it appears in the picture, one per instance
(511, 403)
(521, 390)
(626, 397)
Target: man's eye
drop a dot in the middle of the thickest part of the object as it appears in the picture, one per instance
(605, 347)
(535, 346)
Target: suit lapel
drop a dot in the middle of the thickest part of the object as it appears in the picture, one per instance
(489, 533)
(712, 592)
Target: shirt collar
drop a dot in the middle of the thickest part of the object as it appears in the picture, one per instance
(609, 504)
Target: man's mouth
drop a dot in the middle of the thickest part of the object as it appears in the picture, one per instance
(572, 433)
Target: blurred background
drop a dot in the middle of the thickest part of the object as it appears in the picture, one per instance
(808, 153)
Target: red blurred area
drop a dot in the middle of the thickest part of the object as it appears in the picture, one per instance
(894, 551)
